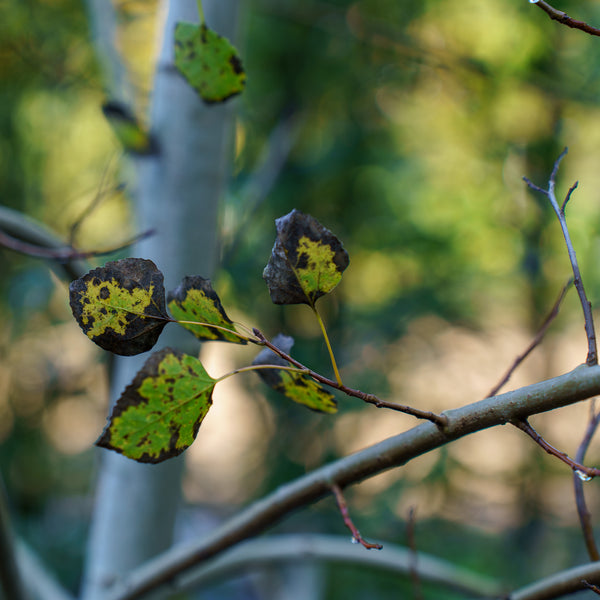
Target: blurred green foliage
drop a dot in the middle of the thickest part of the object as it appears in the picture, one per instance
(411, 126)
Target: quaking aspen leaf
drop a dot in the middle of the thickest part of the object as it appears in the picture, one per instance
(121, 306)
(208, 61)
(299, 387)
(307, 260)
(158, 415)
(195, 300)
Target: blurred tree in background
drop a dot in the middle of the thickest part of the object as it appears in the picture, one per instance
(406, 129)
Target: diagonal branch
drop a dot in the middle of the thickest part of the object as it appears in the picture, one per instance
(584, 473)
(536, 340)
(565, 19)
(159, 573)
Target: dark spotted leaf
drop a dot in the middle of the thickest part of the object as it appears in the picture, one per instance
(296, 386)
(307, 260)
(121, 306)
(158, 415)
(209, 63)
(195, 300)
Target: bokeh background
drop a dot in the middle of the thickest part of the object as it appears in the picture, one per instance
(405, 128)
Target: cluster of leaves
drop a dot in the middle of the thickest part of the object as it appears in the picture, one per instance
(123, 308)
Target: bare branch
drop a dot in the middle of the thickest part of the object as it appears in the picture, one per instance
(579, 384)
(356, 537)
(560, 584)
(66, 253)
(277, 549)
(589, 586)
(536, 340)
(20, 227)
(565, 19)
(581, 471)
(592, 357)
(585, 517)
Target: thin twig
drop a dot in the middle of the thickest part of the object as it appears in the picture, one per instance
(592, 356)
(91, 207)
(568, 196)
(414, 555)
(585, 518)
(536, 340)
(565, 19)
(439, 420)
(67, 253)
(356, 537)
(585, 473)
(23, 228)
(589, 586)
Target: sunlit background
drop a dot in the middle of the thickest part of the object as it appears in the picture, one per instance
(405, 128)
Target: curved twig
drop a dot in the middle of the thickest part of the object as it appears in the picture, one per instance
(560, 584)
(316, 547)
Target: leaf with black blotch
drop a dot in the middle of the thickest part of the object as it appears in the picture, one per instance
(208, 61)
(195, 300)
(121, 306)
(158, 415)
(307, 260)
(299, 387)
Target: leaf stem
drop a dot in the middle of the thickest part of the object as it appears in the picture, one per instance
(200, 12)
(329, 349)
(211, 326)
(258, 367)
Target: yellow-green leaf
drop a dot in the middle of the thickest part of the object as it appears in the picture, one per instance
(209, 63)
(195, 300)
(299, 387)
(307, 261)
(121, 306)
(158, 415)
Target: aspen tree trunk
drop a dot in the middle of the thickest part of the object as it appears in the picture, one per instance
(178, 195)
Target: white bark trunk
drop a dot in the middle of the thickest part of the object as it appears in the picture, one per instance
(178, 196)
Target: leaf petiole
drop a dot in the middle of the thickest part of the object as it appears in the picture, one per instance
(329, 349)
(259, 367)
(211, 326)
(200, 12)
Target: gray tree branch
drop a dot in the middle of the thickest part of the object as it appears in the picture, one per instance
(279, 549)
(579, 384)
